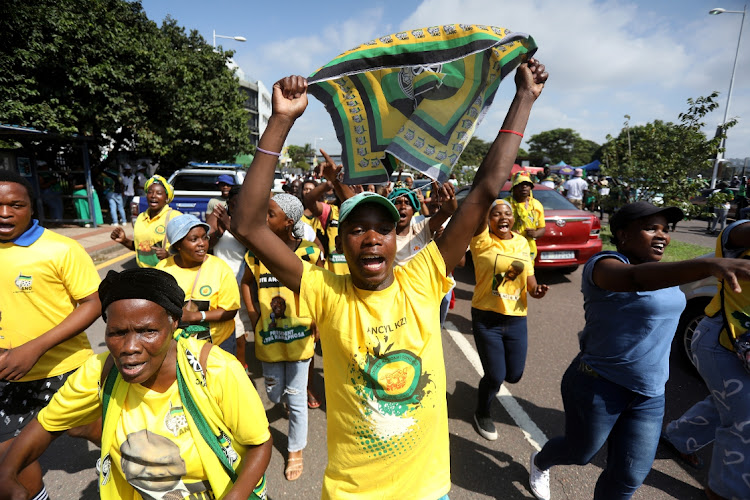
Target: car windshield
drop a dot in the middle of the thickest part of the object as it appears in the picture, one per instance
(550, 200)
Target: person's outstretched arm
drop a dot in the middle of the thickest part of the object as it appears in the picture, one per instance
(249, 222)
(312, 201)
(330, 172)
(26, 448)
(495, 168)
(447, 194)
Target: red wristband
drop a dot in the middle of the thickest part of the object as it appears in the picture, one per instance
(519, 134)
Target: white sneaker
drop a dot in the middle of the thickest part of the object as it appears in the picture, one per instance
(538, 480)
(485, 427)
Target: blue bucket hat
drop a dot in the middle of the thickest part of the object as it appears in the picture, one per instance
(180, 226)
(226, 179)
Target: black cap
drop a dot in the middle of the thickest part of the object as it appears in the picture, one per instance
(639, 210)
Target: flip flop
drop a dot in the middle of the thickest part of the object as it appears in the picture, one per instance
(312, 401)
(294, 467)
(692, 460)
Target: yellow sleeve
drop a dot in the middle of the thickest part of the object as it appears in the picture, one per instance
(77, 402)
(428, 274)
(229, 292)
(77, 272)
(235, 394)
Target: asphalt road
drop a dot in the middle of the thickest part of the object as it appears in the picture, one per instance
(479, 468)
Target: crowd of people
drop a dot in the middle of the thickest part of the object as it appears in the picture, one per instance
(365, 277)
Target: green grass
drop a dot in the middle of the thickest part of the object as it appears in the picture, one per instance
(676, 251)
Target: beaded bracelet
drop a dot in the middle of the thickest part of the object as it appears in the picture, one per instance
(267, 152)
(519, 134)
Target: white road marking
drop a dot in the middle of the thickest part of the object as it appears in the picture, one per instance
(530, 430)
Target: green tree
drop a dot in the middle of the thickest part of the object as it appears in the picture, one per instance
(301, 156)
(658, 159)
(474, 152)
(101, 68)
(562, 144)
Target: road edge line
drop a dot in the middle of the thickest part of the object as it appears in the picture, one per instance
(531, 432)
(114, 260)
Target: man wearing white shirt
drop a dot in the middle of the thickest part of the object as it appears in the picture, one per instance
(575, 189)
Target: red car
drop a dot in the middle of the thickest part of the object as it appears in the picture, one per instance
(572, 235)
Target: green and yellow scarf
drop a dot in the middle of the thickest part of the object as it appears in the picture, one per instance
(214, 441)
(416, 96)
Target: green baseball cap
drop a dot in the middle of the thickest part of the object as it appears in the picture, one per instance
(367, 197)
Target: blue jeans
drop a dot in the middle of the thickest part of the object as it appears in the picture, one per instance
(721, 218)
(444, 305)
(501, 342)
(696, 427)
(115, 207)
(599, 411)
(230, 344)
(729, 383)
(287, 381)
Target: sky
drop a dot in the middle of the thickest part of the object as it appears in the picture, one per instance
(606, 59)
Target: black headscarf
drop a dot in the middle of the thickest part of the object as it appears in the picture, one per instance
(142, 283)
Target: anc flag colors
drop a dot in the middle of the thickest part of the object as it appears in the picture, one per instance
(416, 96)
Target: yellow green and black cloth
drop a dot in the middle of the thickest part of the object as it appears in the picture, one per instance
(416, 96)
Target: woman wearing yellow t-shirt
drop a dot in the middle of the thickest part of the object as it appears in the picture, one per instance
(212, 296)
(180, 419)
(149, 229)
(504, 272)
(284, 343)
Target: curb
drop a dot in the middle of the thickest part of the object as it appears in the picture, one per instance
(106, 252)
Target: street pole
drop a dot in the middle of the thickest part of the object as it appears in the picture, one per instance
(731, 84)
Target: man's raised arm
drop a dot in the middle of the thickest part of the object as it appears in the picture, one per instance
(496, 166)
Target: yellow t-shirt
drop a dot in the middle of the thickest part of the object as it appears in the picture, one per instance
(279, 334)
(534, 219)
(501, 268)
(385, 380)
(216, 289)
(153, 448)
(736, 305)
(314, 223)
(41, 285)
(148, 232)
(335, 262)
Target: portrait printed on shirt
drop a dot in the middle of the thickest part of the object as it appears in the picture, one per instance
(509, 279)
(152, 464)
(278, 312)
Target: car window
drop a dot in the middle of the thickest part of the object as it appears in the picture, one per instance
(195, 182)
(278, 175)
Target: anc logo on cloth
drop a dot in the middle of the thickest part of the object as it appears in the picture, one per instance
(23, 282)
(159, 229)
(395, 376)
(205, 290)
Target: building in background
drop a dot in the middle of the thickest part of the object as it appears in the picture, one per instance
(258, 106)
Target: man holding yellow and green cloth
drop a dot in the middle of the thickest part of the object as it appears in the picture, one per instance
(527, 210)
